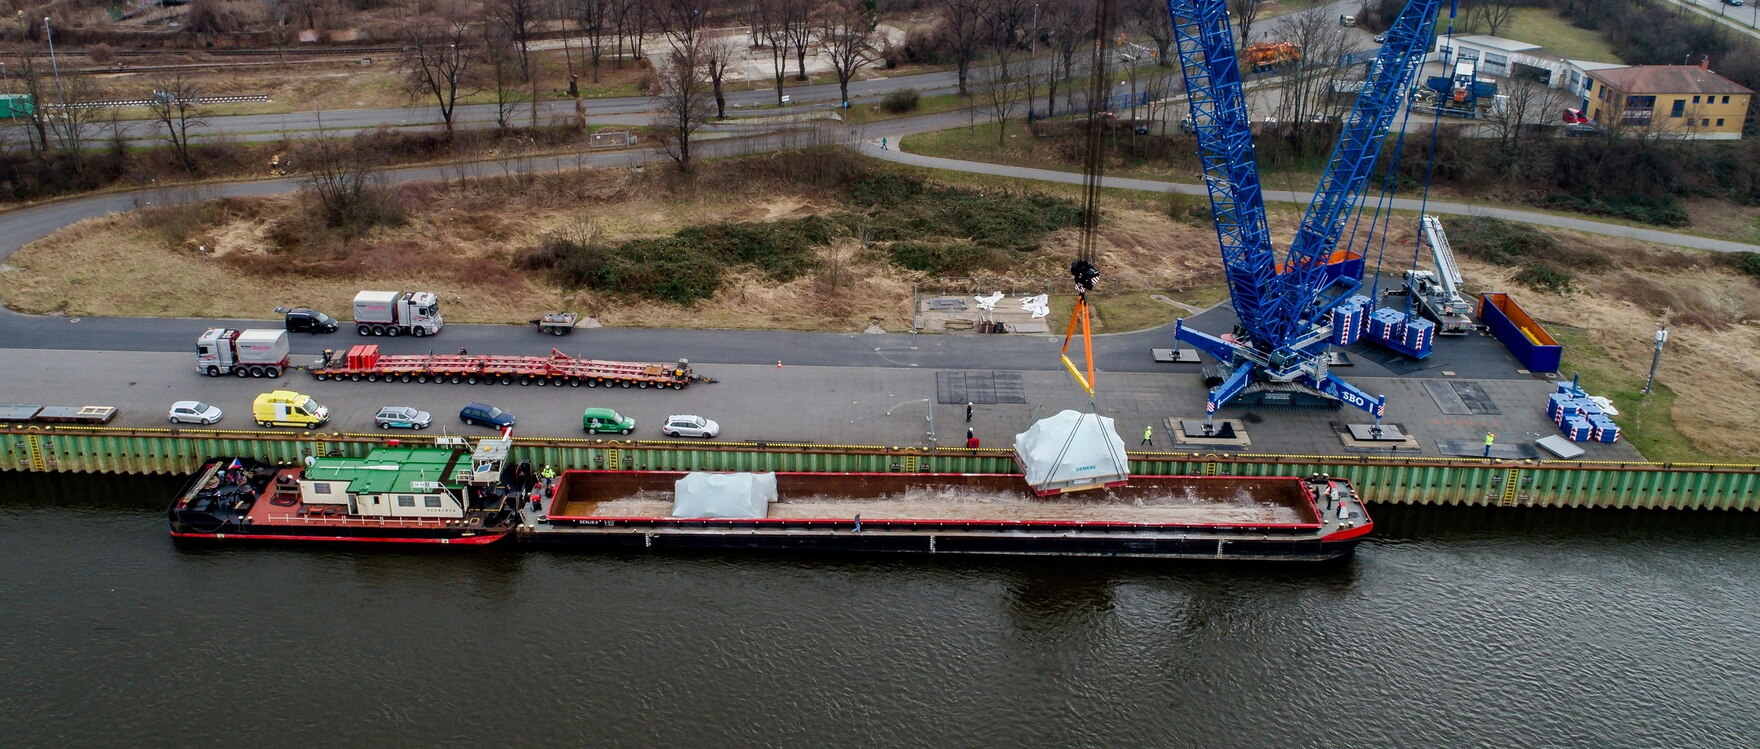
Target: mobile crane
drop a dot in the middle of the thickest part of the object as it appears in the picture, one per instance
(1284, 308)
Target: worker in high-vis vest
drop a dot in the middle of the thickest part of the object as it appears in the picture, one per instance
(1149, 435)
(1489, 438)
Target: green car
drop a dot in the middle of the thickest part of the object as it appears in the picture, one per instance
(599, 420)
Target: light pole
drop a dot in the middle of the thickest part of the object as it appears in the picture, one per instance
(1656, 358)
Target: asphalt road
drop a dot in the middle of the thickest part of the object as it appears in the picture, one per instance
(872, 148)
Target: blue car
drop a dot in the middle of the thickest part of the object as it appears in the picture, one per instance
(483, 414)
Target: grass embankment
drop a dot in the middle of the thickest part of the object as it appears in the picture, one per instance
(1602, 298)
(820, 240)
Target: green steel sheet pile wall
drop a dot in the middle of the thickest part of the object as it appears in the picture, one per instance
(1447, 481)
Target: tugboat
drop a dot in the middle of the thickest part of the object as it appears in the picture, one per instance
(446, 493)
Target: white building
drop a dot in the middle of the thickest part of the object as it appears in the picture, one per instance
(1507, 58)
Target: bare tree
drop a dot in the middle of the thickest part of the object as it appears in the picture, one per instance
(771, 19)
(1305, 94)
(1517, 120)
(347, 190)
(37, 88)
(1493, 13)
(594, 17)
(498, 49)
(1004, 85)
(1070, 26)
(718, 53)
(800, 32)
(846, 36)
(1150, 18)
(516, 18)
(632, 26)
(962, 21)
(437, 55)
(1245, 12)
(174, 106)
(683, 103)
(76, 123)
(682, 21)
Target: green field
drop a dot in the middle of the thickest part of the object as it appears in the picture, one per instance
(1548, 29)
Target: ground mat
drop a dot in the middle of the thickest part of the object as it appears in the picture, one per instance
(1460, 398)
(983, 388)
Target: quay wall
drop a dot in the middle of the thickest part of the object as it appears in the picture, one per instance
(1390, 480)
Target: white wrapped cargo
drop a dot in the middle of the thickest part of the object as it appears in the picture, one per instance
(723, 495)
(1071, 451)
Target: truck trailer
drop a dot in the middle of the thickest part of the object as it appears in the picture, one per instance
(245, 353)
(395, 313)
(364, 362)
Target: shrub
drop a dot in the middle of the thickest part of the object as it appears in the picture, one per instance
(1749, 262)
(899, 102)
(1193, 210)
(1544, 277)
(954, 259)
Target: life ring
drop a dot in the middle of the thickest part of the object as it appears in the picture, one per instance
(474, 521)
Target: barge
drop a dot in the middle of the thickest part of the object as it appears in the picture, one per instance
(444, 494)
(1182, 517)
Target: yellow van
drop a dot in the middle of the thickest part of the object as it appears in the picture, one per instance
(286, 408)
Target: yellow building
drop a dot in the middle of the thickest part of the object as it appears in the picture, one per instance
(1678, 101)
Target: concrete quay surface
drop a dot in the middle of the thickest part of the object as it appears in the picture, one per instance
(890, 407)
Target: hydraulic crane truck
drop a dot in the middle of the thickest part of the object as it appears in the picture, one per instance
(1438, 293)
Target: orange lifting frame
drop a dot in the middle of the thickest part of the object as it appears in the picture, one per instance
(1080, 312)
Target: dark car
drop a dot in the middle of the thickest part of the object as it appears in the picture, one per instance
(305, 320)
(483, 414)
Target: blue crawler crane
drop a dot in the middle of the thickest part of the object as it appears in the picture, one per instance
(1285, 308)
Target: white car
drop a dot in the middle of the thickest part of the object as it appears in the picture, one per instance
(686, 425)
(194, 412)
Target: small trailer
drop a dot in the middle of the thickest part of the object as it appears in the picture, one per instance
(364, 362)
(557, 323)
(20, 413)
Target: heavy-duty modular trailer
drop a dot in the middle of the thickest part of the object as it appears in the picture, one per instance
(364, 362)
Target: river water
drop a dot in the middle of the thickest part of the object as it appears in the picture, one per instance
(1450, 628)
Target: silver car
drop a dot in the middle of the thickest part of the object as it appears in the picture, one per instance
(194, 412)
(402, 417)
(686, 425)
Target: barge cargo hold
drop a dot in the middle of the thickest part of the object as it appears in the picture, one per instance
(1190, 517)
(394, 494)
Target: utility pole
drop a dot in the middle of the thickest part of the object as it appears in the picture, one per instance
(1032, 61)
(1656, 358)
(49, 34)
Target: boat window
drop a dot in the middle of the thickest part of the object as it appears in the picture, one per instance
(433, 502)
(320, 487)
(405, 500)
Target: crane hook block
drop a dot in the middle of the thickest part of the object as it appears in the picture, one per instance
(1085, 274)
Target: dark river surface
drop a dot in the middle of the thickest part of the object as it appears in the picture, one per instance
(1449, 628)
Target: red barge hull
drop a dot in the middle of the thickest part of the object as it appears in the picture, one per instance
(1314, 518)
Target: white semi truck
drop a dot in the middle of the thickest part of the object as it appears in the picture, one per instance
(245, 353)
(395, 313)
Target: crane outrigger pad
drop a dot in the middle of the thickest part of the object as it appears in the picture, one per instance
(1071, 451)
